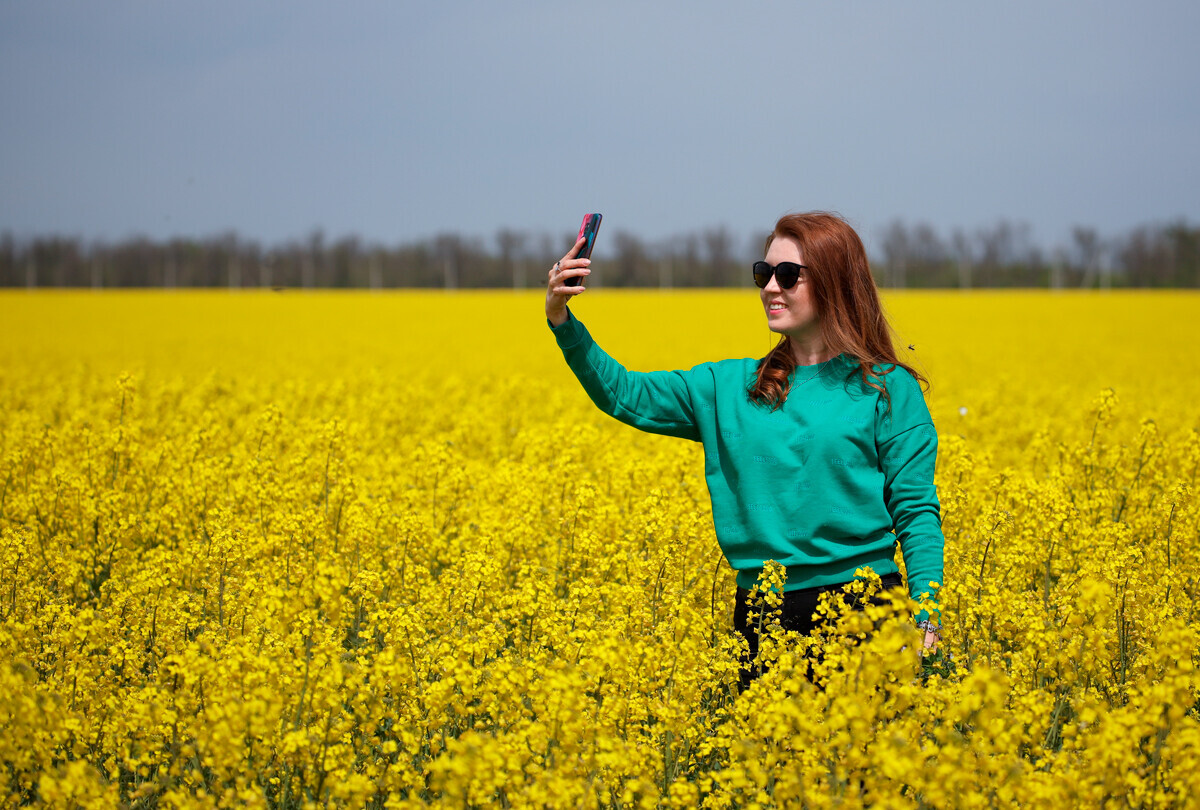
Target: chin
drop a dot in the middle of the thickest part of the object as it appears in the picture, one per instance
(776, 324)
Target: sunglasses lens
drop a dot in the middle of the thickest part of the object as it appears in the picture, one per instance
(787, 274)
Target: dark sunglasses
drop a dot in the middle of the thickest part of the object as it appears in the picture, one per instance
(786, 273)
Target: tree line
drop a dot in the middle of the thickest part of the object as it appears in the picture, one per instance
(908, 255)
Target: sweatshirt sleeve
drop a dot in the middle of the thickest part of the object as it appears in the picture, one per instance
(907, 445)
(656, 401)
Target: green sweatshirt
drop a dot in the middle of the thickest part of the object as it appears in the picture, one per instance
(818, 485)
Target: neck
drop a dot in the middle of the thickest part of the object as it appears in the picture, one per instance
(809, 351)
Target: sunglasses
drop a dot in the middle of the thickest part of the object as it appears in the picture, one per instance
(786, 273)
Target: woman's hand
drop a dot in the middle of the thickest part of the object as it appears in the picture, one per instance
(931, 640)
(557, 291)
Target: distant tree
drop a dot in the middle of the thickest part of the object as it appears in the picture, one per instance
(464, 263)
(375, 270)
(1087, 254)
(31, 269)
(229, 254)
(312, 260)
(1006, 255)
(929, 260)
(665, 257)
(964, 258)
(912, 255)
(1058, 264)
(266, 270)
(8, 260)
(170, 264)
(630, 261)
(448, 249)
(995, 249)
(897, 248)
(718, 250)
(688, 264)
(96, 266)
(1160, 256)
(345, 262)
(512, 255)
(542, 254)
(1184, 243)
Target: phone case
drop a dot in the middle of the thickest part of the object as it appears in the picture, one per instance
(588, 229)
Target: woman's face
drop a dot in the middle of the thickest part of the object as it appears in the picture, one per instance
(789, 312)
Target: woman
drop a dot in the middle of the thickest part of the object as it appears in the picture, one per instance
(813, 454)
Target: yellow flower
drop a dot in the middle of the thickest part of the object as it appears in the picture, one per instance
(324, 550)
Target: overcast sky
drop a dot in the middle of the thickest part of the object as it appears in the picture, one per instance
(396, 121)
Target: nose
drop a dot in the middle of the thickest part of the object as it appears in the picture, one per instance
(772, 285)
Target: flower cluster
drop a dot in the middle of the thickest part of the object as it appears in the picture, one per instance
(288, 551)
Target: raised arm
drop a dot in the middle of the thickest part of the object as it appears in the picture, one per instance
(657, 401)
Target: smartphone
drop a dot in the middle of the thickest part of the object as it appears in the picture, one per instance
(587, 230)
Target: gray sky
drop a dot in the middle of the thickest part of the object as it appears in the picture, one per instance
(396, 121)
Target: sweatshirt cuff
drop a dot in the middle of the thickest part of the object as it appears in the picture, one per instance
(569, 333)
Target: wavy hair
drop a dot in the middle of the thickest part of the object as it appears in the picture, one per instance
(846, 302)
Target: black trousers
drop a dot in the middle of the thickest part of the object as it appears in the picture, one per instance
(797, 615)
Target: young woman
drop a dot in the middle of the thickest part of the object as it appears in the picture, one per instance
(814, 454)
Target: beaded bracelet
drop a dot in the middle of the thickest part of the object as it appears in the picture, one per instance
(930, 627)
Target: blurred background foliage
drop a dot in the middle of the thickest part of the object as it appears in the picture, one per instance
(905, 255)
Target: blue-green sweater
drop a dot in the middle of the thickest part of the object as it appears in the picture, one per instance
(818, 485)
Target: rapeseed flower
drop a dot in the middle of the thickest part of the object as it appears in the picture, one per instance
(257, 562)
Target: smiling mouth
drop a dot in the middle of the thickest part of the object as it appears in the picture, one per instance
(777, 307)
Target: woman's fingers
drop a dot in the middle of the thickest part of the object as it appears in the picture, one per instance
(568, 267)
(558, 292)
(570, 262)
(559, 287)
(564, 289)
(565, 269)
(573, 252)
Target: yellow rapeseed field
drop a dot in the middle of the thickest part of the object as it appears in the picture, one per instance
(305, 549)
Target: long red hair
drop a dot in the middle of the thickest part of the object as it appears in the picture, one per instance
(846, 301)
